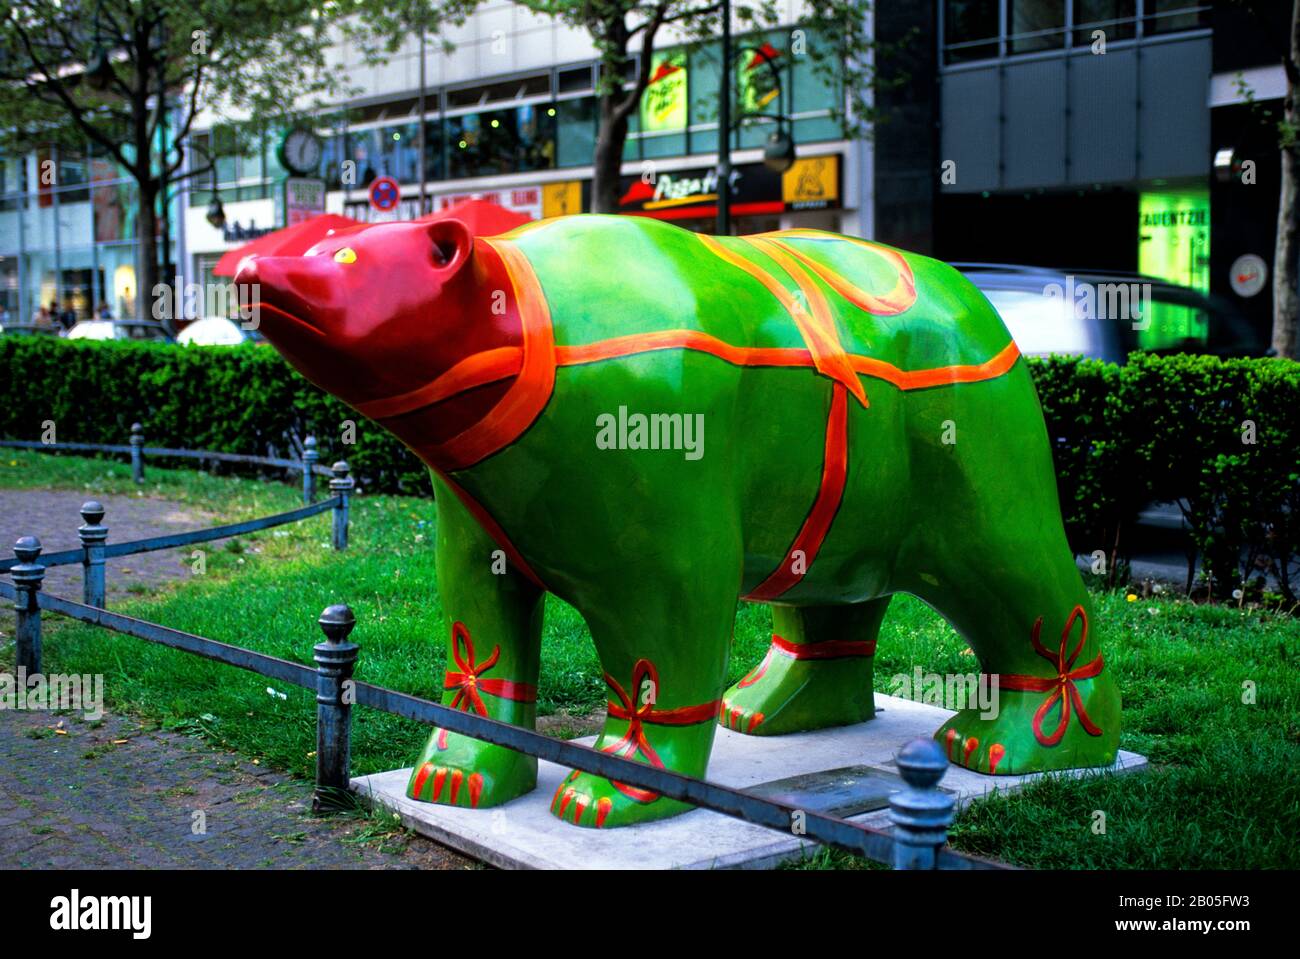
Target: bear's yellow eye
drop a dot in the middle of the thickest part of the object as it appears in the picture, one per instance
(345, 255)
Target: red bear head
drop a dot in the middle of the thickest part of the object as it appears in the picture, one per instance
(378, 312)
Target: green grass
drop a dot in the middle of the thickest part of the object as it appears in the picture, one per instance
(1224, 791)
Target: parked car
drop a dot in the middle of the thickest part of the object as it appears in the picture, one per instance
(212, 331)
(118, 330)
(1109, 315)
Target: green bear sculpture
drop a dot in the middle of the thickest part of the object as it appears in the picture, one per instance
(650, 423)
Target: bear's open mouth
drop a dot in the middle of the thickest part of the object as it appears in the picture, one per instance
(283, 314)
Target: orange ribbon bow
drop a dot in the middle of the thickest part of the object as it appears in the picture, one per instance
(467, 697)
(1062, 685)
(634, 742)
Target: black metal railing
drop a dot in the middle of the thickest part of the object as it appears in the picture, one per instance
(308, 465)
(921, 812)
(95, 548)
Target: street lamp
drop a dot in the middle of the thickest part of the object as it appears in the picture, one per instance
(778, 152)
(216, 212)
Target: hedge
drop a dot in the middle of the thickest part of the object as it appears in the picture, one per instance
(1220, 438)
(232, 399)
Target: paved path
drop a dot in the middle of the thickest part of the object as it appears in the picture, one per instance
(116, 795)
(54, 515)
(119, 795)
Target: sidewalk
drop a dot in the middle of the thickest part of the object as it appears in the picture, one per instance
(116, 795)
(119, 795)
(54, 515)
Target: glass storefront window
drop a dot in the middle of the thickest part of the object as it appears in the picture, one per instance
(11, 174)
(970, 29)
(9, 291)
(704, 64)
(1034, 25)
(331, 162)
(115, 211)
(1166, 16)
(575, 134)
(399, 150)
(502, 141)
(1108, 16)
(433, 169)
(363, 150)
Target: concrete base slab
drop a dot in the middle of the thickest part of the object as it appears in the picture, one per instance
(523, 834)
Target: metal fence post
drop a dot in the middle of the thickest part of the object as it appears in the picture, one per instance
(335, 659)
(341, 486)
(137, 452)
(27, 577)
(93, 535)
(922, 812)
(309, 458)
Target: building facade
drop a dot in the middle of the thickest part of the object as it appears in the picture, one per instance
(1081, 128)
(1085, 130)
(511, 116)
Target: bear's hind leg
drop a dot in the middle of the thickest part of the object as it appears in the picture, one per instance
(1024, 610)
(817, 672)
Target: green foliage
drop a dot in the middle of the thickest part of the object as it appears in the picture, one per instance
(1081, 404)
(1217, 437)
(238, 399)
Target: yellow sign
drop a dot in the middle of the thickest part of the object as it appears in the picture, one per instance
(812, 182)
(663, 106)
(561, 199)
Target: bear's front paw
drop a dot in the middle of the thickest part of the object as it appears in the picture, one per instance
(587, 800)
(457, 771)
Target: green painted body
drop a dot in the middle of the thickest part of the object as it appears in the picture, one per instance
(653, 548)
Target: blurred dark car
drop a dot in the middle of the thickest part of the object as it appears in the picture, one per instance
(1107, 316)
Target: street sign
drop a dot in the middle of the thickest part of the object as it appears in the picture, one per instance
(1249, 274)
(304, 198)
(385, 194)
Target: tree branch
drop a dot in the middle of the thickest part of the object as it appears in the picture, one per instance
(75, 110)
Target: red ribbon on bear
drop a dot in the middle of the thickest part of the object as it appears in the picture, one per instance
(634, 742)
(1061, 686)
(467, 698)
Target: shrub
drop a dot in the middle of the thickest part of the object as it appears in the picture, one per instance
(1217, 437)
(234, 399)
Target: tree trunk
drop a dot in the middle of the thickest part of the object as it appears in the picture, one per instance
(147, 250)
(608, 160)
(1286, 277)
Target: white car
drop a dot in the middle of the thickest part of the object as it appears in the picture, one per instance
(93, 330)
(212, 331)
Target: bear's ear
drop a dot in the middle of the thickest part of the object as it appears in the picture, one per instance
(451, 243)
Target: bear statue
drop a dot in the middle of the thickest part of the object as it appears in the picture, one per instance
(652, 423)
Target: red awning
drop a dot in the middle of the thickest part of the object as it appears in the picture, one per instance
(291, 241)
(482, 217)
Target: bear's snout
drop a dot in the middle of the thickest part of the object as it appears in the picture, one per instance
(298, 288)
